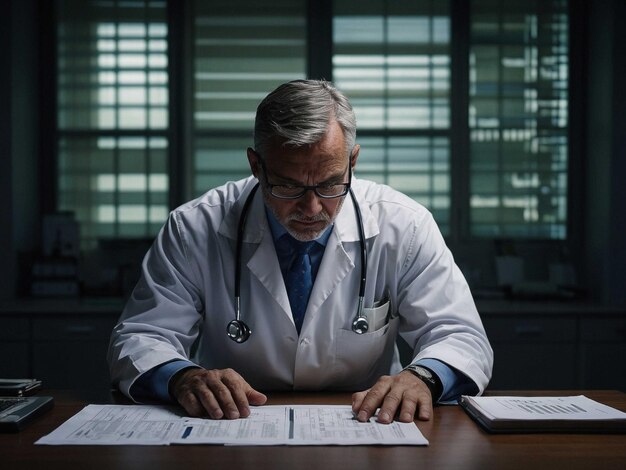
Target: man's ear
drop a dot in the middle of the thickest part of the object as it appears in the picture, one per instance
(354, 156)
(253, 161)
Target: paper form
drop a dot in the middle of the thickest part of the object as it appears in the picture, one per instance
(327, 425)
(117, 425)
(301, 425)
(262, 427)
(266, 425)
(545, 408)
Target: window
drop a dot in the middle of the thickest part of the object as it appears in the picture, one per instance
(396, 62)
(112, 120)
(242, 49)
(518, 118)
(392, 59)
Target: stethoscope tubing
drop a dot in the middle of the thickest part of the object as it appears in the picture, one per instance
(240, 230)
(363, 280)
(237, 329)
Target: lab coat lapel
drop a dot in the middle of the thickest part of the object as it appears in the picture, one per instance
(336, 265)
(263, 263)
(258, 245)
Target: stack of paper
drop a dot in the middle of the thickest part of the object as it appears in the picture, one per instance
(544, 414)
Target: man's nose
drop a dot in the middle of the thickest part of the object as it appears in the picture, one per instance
(309, 203)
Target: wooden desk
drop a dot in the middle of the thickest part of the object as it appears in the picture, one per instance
(456, 442)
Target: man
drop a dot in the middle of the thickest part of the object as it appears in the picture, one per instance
(172, 342)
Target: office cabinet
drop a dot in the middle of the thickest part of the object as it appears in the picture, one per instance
(69, 351)
(556, 346)
(532, 351)
(64, 344)
(603, 352)
(14, 347)
(14, 361)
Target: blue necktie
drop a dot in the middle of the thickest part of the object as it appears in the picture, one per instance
(299, 279)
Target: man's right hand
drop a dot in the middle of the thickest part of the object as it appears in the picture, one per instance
(218, 393)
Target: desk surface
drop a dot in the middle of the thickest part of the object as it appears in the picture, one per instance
(455, 442)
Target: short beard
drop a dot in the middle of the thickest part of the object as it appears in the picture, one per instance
(309, 234)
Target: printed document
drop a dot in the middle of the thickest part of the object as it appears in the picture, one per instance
(565, 413)
(266, 425)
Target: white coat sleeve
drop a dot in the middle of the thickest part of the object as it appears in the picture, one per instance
(160, 321)
(440, 320)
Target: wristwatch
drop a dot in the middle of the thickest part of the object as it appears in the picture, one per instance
(429, 378)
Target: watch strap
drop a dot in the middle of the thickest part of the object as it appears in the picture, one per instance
(433, 382)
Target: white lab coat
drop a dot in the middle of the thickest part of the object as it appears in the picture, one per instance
(184, 298)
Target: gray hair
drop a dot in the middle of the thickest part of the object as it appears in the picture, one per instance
(298, 113)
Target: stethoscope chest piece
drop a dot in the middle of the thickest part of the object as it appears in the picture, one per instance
(360, 325)
(238, 331)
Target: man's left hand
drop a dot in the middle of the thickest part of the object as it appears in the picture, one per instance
(403, 395)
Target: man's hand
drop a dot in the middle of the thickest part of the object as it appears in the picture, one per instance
(217, 393)
(402, 394)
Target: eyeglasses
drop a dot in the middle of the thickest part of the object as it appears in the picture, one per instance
(295, 191)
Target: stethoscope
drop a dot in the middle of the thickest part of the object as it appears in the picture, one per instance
(237, 329)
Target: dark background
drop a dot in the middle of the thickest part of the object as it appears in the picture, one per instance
(579, 344)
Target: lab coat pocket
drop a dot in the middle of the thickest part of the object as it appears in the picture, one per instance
(360, 359)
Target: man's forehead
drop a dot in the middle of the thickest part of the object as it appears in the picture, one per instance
(307, 156)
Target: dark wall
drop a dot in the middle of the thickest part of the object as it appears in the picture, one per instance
(19, 213)
(6, 237)
(605, 159)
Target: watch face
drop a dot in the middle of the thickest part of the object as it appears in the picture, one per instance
(429, 378)
(423, 372)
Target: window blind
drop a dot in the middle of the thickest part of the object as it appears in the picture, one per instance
(392, 59)
(112, 118)
(518, 118)
(242, 50)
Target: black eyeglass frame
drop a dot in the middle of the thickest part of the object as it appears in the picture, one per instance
(305, 188)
